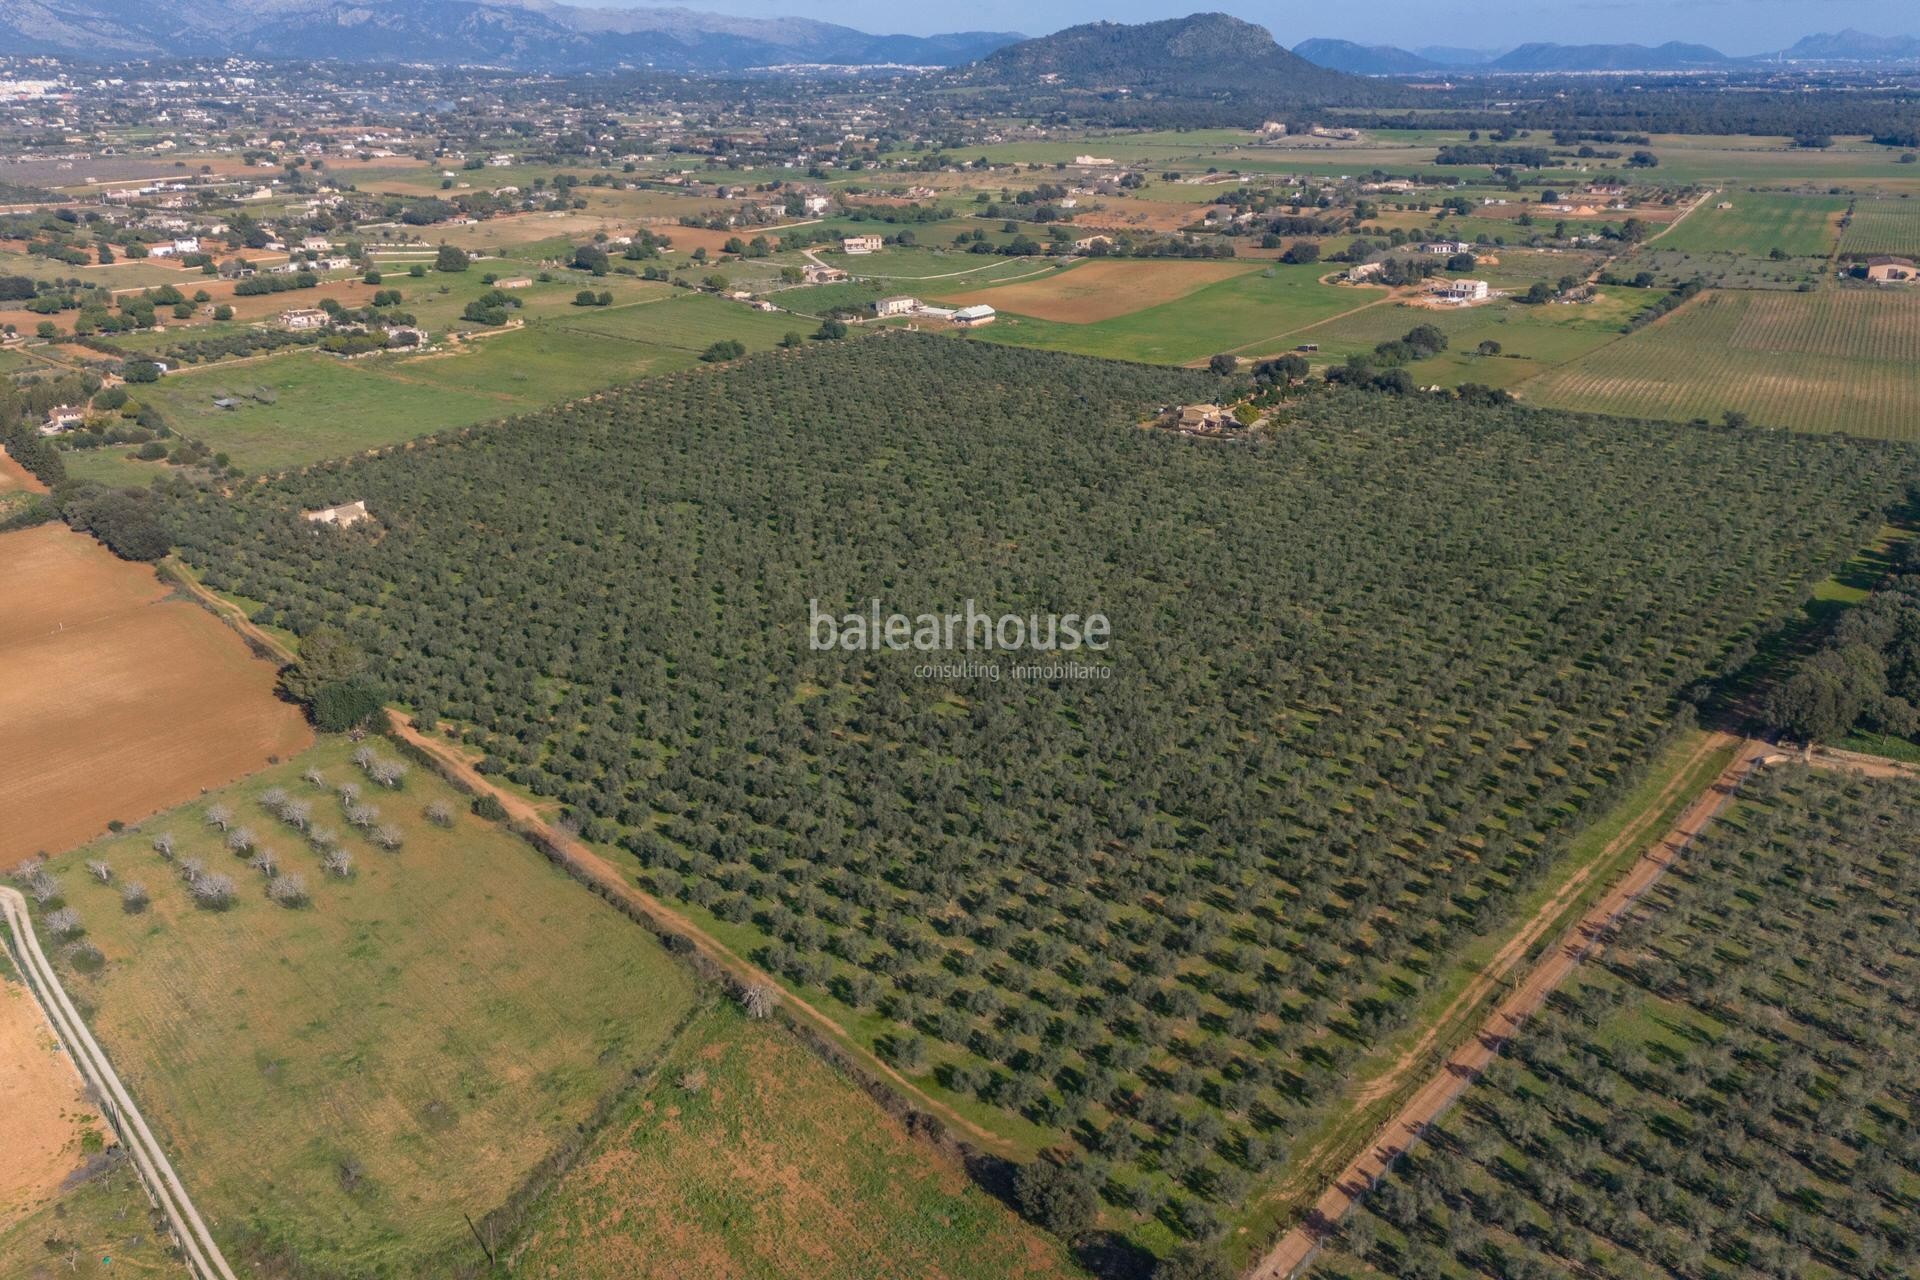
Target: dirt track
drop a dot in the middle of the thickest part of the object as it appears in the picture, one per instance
(189, 1229)
(1468, 1062)
(1517, 947)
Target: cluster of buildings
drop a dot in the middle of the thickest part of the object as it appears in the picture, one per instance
(969, 317)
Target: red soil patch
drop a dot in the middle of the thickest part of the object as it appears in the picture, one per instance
(118, 701)
(46, 1108)
(14, 477)
(1104, 288)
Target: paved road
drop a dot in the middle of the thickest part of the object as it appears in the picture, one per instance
(203, 1255)
(1466, 1064)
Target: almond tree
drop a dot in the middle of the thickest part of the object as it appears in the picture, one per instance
(133, 897)
(439, 813)
(43, 886)
(241, 840)
(338, 862)
(64, 923)
(218, 815)
(214, 891)
(388, 837)
(163, 845)
(288, 890)
(99, 870)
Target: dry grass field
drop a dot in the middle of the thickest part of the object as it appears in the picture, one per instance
(1839, 360)
(342, 1080)
(119, 701)
(1103, 289)
(802, 1179)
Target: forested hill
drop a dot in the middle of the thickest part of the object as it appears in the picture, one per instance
(1204, 55)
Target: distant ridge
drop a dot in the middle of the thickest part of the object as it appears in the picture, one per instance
(522, 34)
(1363, 59)
(1852, 46)
(1844, 47)
(1672, 56)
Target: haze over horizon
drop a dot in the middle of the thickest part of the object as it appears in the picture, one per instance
(1733, 26)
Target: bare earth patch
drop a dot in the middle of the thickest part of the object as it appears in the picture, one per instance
(46, 1108)
(14, 477)
(119, 701)
(1104, 288)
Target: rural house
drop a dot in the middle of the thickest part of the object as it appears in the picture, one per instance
(62, 418)
(1884, 269)
(863, 244)
(304, 318)
(973, 317)
(1204, 419)
(898, 305)
(1462, 291)
(345, 514)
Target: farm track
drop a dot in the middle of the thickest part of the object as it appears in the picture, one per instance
(1397, 295)
(1466, 1064)
(156, 1171)
(1521, 944)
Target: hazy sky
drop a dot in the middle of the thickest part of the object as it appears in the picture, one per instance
(1733, 26)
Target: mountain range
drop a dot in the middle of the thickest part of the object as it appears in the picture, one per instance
(1843, 47)
(1209, 52)
(523, 34)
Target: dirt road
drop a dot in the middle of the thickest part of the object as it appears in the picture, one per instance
(1517, 947)
(1468, 1062)
(156, 1171)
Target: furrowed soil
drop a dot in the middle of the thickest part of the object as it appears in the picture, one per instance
(120, 701)
(1104, 289)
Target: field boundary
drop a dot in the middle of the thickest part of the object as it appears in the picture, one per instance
(162, 1184)
(712, 958)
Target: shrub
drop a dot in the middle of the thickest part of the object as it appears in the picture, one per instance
(1060, 1198)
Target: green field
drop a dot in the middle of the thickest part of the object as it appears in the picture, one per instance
(323, 407)
(1839, 360)
(340, 1082)
(1532, 339)
(1758, 223)
(803, 1180)
(1247, 314)
(1883, 226)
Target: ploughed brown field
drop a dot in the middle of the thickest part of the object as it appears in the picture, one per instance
(115, 700)
(1104, 288)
